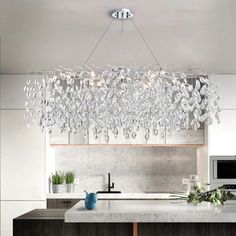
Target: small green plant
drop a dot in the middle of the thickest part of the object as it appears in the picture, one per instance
(58, 177)
(70, 177)
(216, 196)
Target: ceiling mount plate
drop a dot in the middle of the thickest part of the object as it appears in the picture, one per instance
(122, 14)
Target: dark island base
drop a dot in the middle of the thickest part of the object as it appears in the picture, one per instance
(59, 228)
(51, 222)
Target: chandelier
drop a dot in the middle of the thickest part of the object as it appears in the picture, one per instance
(118, 99)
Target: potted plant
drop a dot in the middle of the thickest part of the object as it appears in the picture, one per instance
(57, 182)
(70, 179)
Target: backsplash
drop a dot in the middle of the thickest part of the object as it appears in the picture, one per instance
(133, 169)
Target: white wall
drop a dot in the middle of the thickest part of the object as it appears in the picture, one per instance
(41, 34)
(22, 156)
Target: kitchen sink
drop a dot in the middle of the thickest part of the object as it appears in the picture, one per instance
(109, 192)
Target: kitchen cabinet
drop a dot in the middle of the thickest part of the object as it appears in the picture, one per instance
(186, 137)
(22, 158)
(140, 139)
(12, 209)
(121, 139)
(227, 85)
(12, 90)
(221, 137)
(78, 138)
(61, 203)
(57, 227)
(176, 137)
(67, 138)
(56, 137)
(187, 229)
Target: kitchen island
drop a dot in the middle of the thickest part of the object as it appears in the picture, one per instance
(131, 218)
(167, 211)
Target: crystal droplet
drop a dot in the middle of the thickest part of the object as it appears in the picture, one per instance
(155, 131)
(107, 138)
(162, 135)
(134, 135)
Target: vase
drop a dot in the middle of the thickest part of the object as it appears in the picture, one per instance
(57, 188)
(69, 188)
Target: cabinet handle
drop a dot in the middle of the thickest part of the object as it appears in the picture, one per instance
(67, 202)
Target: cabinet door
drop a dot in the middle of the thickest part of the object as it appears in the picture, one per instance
(186, 137)
(56, 137)
(66, 203)
(22, 158)
(61, 203)
(12, 90)
(121, 139)
(222, 137)
(51, 203)
(78, 138)
(67, 138)
(227, 85)
(12, 209)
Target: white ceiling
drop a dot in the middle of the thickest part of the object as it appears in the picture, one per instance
(42, 34)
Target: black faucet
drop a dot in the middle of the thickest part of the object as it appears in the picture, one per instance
(110, 186)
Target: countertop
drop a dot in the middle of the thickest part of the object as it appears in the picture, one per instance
(43, 214)
(151, 211)
(122, 196)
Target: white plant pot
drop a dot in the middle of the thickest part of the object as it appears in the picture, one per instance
(57, 188)
(69, 188)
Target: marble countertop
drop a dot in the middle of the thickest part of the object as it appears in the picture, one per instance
(151, 211)
(124, 196)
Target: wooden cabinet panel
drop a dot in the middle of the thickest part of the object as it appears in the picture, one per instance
(220, 229)
(115, 229)
(55, 227)
(69, 229)
(88, 229)
(199, 229)
(37, 227)
(61, 203)
(66, 203)
(152, 229)
(181, 229)
(176, 229)
(51, 204)
(46, 227)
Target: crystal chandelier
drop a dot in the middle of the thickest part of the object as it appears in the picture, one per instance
(108, 101)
